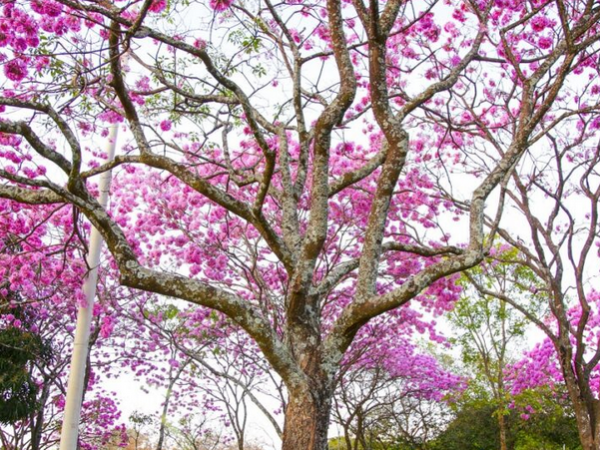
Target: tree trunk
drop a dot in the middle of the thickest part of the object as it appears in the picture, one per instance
(37, 419)
(307, 420)
(585, 406)
(502, 427)
(586, 436)
(587, 425)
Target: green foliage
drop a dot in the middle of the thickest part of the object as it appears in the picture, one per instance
(551, 425)
(18, 392)
(339, 443)
(248, 43)
(475, 426)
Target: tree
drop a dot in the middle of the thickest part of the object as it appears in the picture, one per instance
(192, 432)
(544, 418)
(17, 389)
(248, 187)
(19, 348)
(391, 394)
(203, 362)
(378, 410)
(487, 331)
(476, 427)
(37, 311)
(552, 262)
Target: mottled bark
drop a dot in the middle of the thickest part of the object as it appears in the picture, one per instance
(587, 423)
(307, 419)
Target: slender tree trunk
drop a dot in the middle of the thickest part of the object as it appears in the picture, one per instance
(502, 427)
(37, 419)
(360, 430)
(585, 406)
(587, 425)
(165, 411)
(347, 437)
(307, 420)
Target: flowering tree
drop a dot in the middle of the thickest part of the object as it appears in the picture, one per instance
(37, 309)
(557, 197)
(203, 362)
(288, 163)
(389, 392)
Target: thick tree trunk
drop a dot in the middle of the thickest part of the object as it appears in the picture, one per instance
(307, 420)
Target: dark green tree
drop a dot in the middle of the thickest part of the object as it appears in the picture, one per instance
(475, 427)
(18, 391)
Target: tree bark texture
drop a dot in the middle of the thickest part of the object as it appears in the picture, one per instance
(307, 420)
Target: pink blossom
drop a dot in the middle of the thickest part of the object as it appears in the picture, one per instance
(545, 42)
(165, 125)
(33, 41)
(15, 70)
(41, 62)
(52, 9)
(200, 44)
(46, 7)
(539, 23)
(158, 6)
(220, 5)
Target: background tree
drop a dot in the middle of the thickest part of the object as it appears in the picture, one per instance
(488, 331)
(476, 426)
(18, 391)
(570, 353)
(392, 394)
(202, 362)
(40, 283)
(553, 195)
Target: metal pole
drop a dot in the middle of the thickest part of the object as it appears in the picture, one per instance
(70, 427)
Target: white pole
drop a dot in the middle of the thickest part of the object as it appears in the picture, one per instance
(70, 427)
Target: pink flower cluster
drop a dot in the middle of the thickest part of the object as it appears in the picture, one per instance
(220, 5)
(20, 32)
